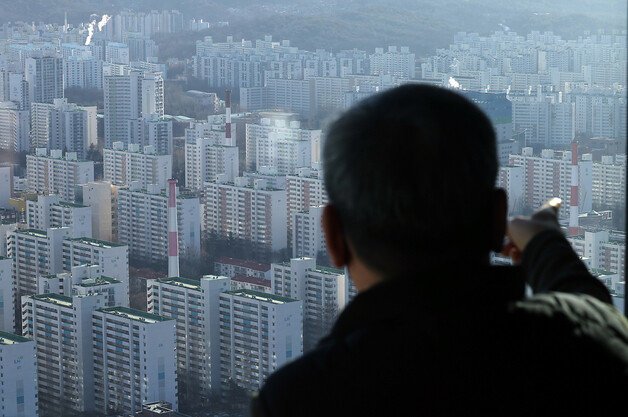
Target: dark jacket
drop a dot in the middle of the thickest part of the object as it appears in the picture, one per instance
(454, 341)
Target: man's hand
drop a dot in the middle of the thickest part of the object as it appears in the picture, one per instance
(521, 230)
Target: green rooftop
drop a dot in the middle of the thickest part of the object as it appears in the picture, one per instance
(11, 339)
(57, 299)
(192, 284)
(329, 270)
(261, 296)
(94, 282)
(598, 272)
(133, 314)
(33, 232)
(96, 242)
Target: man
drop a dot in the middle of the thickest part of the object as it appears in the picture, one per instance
(434, 329)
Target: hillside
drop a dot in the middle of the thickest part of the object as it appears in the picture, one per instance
(421, 24)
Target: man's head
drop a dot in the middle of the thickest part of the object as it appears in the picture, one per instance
(410, 175)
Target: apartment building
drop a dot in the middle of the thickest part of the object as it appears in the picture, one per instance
(143, 226)
(134, 360)
(18, 396)
(49, 211)
(258, 334)
(123, 165)
(193, 304)
(56, 173)
(34, 253)
(248, 210)
(61, 327)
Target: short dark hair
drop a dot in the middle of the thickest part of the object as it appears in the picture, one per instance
(411, 172)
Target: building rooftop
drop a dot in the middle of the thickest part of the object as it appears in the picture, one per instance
(161, 408)
(243, 263)
(57, 299)
(133, 314)
(261, 296)
(191, 284)
(96, 242)
(32, 232)
(70, 205)
(600, 272)
(11, 339)
(182, 194)
(252, 280)
(94, 282)
(329, 270)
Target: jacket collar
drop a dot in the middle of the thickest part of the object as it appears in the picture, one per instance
(432, 291)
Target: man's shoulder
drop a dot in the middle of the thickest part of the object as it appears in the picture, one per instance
(328, 374)
(575, 318)
(572, 309)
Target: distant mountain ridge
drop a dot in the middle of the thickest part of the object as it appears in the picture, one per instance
(336, 24)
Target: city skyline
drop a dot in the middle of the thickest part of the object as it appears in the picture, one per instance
(174, 260)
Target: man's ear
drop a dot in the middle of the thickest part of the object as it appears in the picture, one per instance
(334, 236)
(499, 219)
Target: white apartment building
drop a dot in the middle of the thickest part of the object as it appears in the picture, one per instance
(305, 189)
(18, 396)
(609, 182)
(5, 228)
(56, 174)
(63, 125)
(117, 53)
(112, 258)
(214, 128)
(7, 295)
(285, 155)
(258, 334)
(206, 159)
(40, 124)
(280, 142)
(152, 130)
(545, 119)
(397, 61)
(6, 185)
(14, 127)
(293, 95)
(549, 175)
(83, 72)
(98, 196)
(49, 211)
(194, 305)
(326, 295)
(603, 250)
(268, 174)
(134, 359)
(511, 179)
(45, 78)
(35, 252)
(253, 212)
(243, 282)
(122, 166)
(324, 291)
(72, 128)
(84, 280)
(232, 267)
(61, 327)
(142, 222)
(128, 97)
(308, 238)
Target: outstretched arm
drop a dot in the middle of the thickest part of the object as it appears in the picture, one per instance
(548, 260)
(550, 264)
